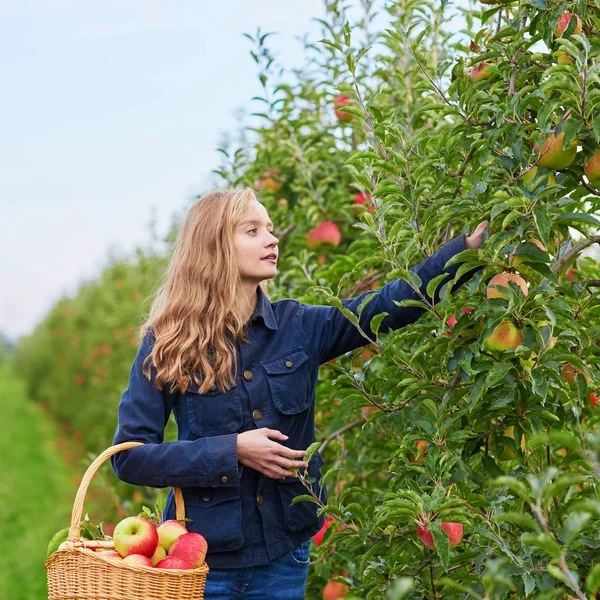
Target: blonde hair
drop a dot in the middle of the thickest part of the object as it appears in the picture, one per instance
(199, 309)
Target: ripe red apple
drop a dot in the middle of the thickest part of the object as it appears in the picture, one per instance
(563, 23)
(569, 373)
(139, 560)
(591, 168)
(322, 260)
(135, 535)
(324, 233)
(339, 102)
(454, 531)
(359, 199)
(553, 155)
(172, 562)
(169, 531)
(593, 400)
(570, 275)
(502, 279)
(335, 589)
(268, 181)
(318, 537)
(506, 336)
(481, 71)
(190, 547)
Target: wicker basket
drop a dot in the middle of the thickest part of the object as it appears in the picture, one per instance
(79, 573)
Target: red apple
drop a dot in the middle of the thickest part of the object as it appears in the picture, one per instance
(553, 155)
(368, 410)
(591, 168)
(172, 562)
(502, 279)
(569, 373)
(268, 181)
(190, 547)
(506, 336)
(563, 23)
(481, 71)
(318, 537)
(324, 233)
(593, 400)
(454, 531)
(339, 102)
(139, 560)
(135, 535)
(359, 199)
(570, 275)
(335, 589)
(169, 531)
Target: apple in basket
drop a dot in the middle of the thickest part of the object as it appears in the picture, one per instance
(135, 535)
(172, 562)
(138, 560)
(169, 531)
(190, 547)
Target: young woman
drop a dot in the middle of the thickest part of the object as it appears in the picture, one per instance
(240, 372)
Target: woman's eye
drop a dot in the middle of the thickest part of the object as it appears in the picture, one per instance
(251, 230)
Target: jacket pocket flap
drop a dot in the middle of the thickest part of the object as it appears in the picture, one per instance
(205, 497)
(287, 363)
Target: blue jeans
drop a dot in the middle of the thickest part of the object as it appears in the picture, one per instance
(282, 579)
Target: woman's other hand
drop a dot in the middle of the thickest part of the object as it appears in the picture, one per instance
(474, 240)
(257, 451)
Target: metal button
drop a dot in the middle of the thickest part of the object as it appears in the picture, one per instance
(259, 500)
(289, 364)
(206, 499)
(248, 375)
(256, 415)
(224, 479)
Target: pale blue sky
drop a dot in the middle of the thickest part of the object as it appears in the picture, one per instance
(109, 109)
(112, 111)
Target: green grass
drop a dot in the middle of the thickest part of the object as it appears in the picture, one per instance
(36, 490)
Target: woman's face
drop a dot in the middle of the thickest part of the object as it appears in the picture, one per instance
(253, 241)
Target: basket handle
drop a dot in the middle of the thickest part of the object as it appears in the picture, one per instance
(75, 529)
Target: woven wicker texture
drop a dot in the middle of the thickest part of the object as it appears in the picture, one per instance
(79, 573)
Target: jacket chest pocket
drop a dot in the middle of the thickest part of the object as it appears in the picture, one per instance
(289, 380)
(215, 412)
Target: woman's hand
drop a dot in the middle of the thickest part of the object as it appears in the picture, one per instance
(474, 240)
(257, 451)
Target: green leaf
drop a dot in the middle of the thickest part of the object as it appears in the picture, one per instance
(57, 539)
(400, 588)
(497, 373)
(592, 581)
(543, 542)
(433, 284)
(304, 498)
(442, 543)
(570, 218)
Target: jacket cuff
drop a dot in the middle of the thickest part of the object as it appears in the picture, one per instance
(225, 467)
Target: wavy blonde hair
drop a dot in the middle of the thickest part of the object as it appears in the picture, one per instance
(199, 309)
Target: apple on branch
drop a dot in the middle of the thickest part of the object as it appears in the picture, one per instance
(591, 168)
(324, 233)
(334, 590)
(502, 279)
(454, 531)
(506, 336)
(340, 102)
(553, 154)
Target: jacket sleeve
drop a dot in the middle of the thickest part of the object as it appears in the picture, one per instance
(331, 334)
(143, 414)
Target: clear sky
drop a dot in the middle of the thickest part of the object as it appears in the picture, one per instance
(111, 110)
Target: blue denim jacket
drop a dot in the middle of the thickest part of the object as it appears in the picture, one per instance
(245, 516)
